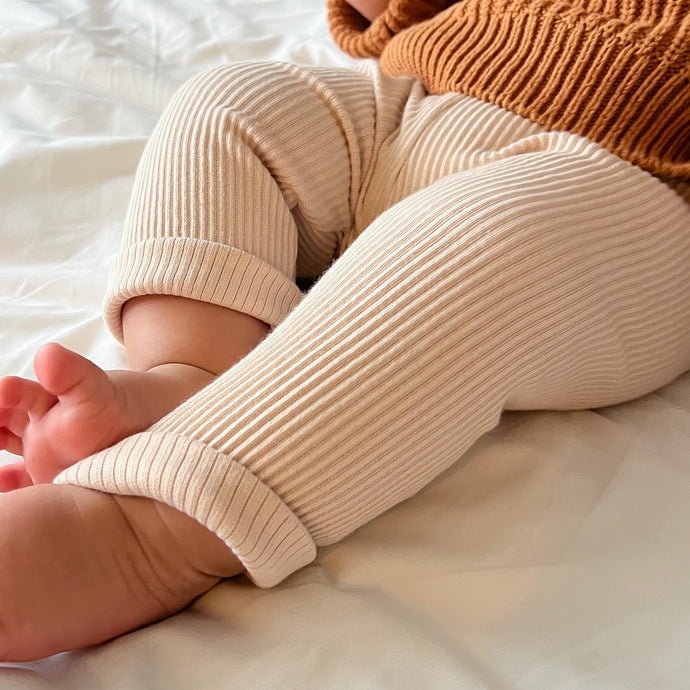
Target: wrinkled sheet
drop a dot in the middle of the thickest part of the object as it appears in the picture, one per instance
(553, 555)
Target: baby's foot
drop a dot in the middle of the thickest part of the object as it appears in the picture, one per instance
(78, 567)
(76, 409)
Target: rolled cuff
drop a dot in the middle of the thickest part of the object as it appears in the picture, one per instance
(217, 491)
(200, 270)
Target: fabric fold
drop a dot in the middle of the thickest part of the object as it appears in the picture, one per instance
(259, 528)
(201, 270)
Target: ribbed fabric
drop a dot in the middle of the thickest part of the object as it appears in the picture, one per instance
(616, 72)
(496, 265)
(220, 193)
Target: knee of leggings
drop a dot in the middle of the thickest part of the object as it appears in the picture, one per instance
(240, 87)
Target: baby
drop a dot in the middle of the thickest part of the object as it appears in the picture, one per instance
(485, 235)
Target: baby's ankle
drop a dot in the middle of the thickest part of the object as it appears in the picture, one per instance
(151, 394)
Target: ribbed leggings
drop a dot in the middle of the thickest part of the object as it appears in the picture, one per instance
(472, 262)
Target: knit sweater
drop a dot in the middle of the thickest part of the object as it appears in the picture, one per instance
(615, 71)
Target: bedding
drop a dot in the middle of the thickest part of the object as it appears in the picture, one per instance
(553, 555)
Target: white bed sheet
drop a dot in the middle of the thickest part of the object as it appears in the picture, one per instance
(553, 555)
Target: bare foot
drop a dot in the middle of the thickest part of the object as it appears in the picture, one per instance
(76, 409)
(78, 567)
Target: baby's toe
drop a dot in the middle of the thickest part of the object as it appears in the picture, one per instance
(22, 394)
(13, 421)
(13, 477)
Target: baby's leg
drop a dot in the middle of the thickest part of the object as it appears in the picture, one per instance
(210, 224)
(221, 239)
(80, 566)
(250, 178)
(553, 278)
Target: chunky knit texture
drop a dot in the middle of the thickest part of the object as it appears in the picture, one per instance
(615, 71)
(497, 265)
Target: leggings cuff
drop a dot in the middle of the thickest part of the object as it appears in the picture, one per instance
(200, 270)
(255, 523)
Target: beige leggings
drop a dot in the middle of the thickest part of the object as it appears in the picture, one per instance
(496, 265)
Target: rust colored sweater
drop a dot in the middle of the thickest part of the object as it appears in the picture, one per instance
(615, 71)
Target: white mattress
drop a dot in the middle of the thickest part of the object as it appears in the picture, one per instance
(553, 555)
